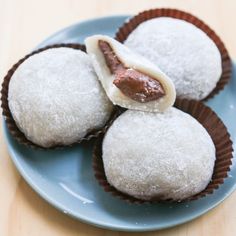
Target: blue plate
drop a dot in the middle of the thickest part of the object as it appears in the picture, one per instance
(65, 178)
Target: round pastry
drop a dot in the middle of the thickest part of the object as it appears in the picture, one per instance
(130, 80)
(182, 51)
(158, 156)
(55, 97)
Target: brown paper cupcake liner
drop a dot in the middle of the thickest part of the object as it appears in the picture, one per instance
(12, 127)
(216, 130)
(124, 31)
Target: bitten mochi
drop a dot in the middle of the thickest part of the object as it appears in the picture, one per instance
(132, 63)
(55, 97)
(158, 156)
(182, 51)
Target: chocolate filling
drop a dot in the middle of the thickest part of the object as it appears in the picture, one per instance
(131, 82)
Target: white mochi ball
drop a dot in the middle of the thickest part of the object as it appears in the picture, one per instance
(182, 51)
(158, 155)
(55, 98)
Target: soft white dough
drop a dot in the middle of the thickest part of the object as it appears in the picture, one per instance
(55, 97)
(130, 60)
(182, 51)
(162, 155)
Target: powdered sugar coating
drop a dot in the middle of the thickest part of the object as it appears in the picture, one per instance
(161, 155)
(55, 97)
(182, 51)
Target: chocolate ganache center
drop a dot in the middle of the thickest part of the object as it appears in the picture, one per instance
(131, 82)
